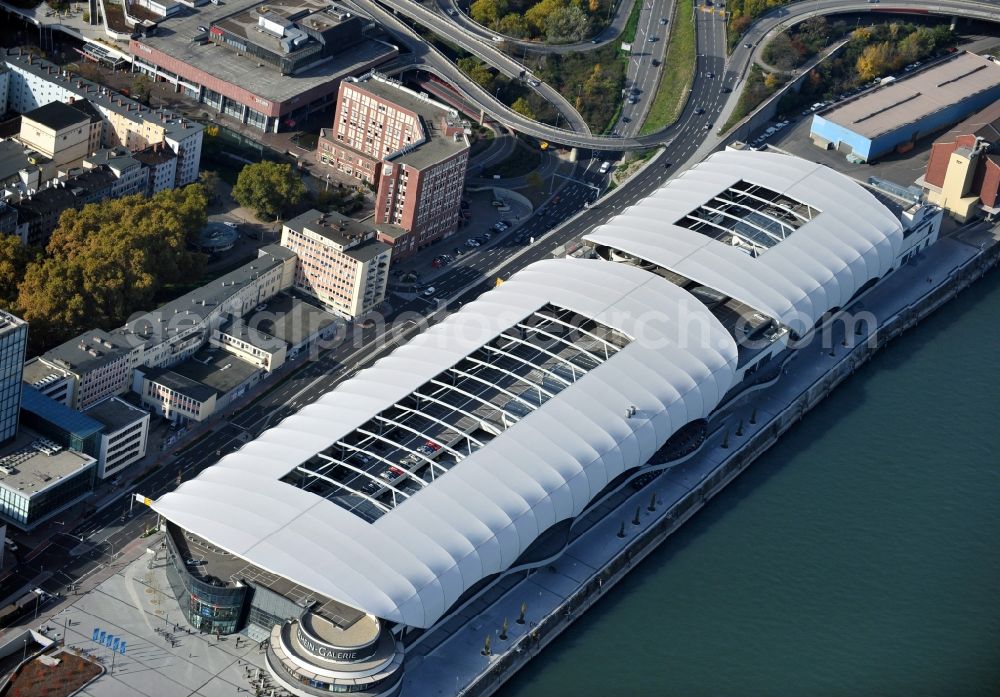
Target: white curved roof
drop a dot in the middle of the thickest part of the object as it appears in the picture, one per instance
(818, 267)
(415, 561)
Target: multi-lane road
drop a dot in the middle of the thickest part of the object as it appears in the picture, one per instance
(449, 28)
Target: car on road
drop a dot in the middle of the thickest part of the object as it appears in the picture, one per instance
(428, 292)
(521, 239)
(471, 242)
(605, 166)
(727, 90)
(652, 39)
(194, 562)
(451, 12)
(663, 21)
(710, 76)
(497, 39)
(668, 165)
(229, 223)
(708, 126)
(748, 45)
(200, 28)
(699, 111)
(534, 83)
(656, 62)
(626, 119)
(633, 99)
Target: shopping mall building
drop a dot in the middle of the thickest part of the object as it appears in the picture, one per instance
(371, 514)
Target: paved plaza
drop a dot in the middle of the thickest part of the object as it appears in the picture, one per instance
(162, 659)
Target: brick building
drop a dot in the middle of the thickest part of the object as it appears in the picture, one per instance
(412, 150)
(963, 170)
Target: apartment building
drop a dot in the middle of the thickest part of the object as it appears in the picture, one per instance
(340, 261)
(61, 132)
(30, 82)
(412, 150)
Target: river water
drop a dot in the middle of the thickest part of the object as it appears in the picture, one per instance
(860, 556)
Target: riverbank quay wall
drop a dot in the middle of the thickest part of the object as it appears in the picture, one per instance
(741, 432)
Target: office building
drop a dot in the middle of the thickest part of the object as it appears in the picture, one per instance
(199, 387)
(963, 170)
(99, 364)
(123, 437)
(13, 342)
(340, 261)
(268, 65)
(899, 112)
(39, 479)
(412, 150)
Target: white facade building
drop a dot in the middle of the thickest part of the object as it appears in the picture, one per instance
(536, 397)
(123, 440)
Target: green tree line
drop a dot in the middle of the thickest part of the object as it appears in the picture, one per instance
(555, 21)
(102, 263)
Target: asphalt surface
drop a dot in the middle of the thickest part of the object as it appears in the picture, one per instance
(434, 62)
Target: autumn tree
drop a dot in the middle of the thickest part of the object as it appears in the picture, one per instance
(488, 12)
(108, 260)
(875, 60)
(538, 15)
(269, 188)
(522, 107)
(514, 25)
(212, 183)
(14, 259)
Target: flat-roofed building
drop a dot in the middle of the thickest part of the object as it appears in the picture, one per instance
(898, 113)
(39, 479)
(268, 65)
(34, 82)
(412, 150)
(963, 170)
(98, 364)
(60, 132)
(340, 261)
(201, 386)
(123, 437)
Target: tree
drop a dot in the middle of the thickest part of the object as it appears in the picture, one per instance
(141, 88)
(566, 25)
(14, 258)
(108, 260)
(537, 16)
(875, 60)
(478, 71)
(488, 12)
(268, 188)
(211, 182)
(514, 25)
(522, 107)
(771, 82)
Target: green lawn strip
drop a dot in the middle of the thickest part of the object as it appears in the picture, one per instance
(632, 25)
(678, 71)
